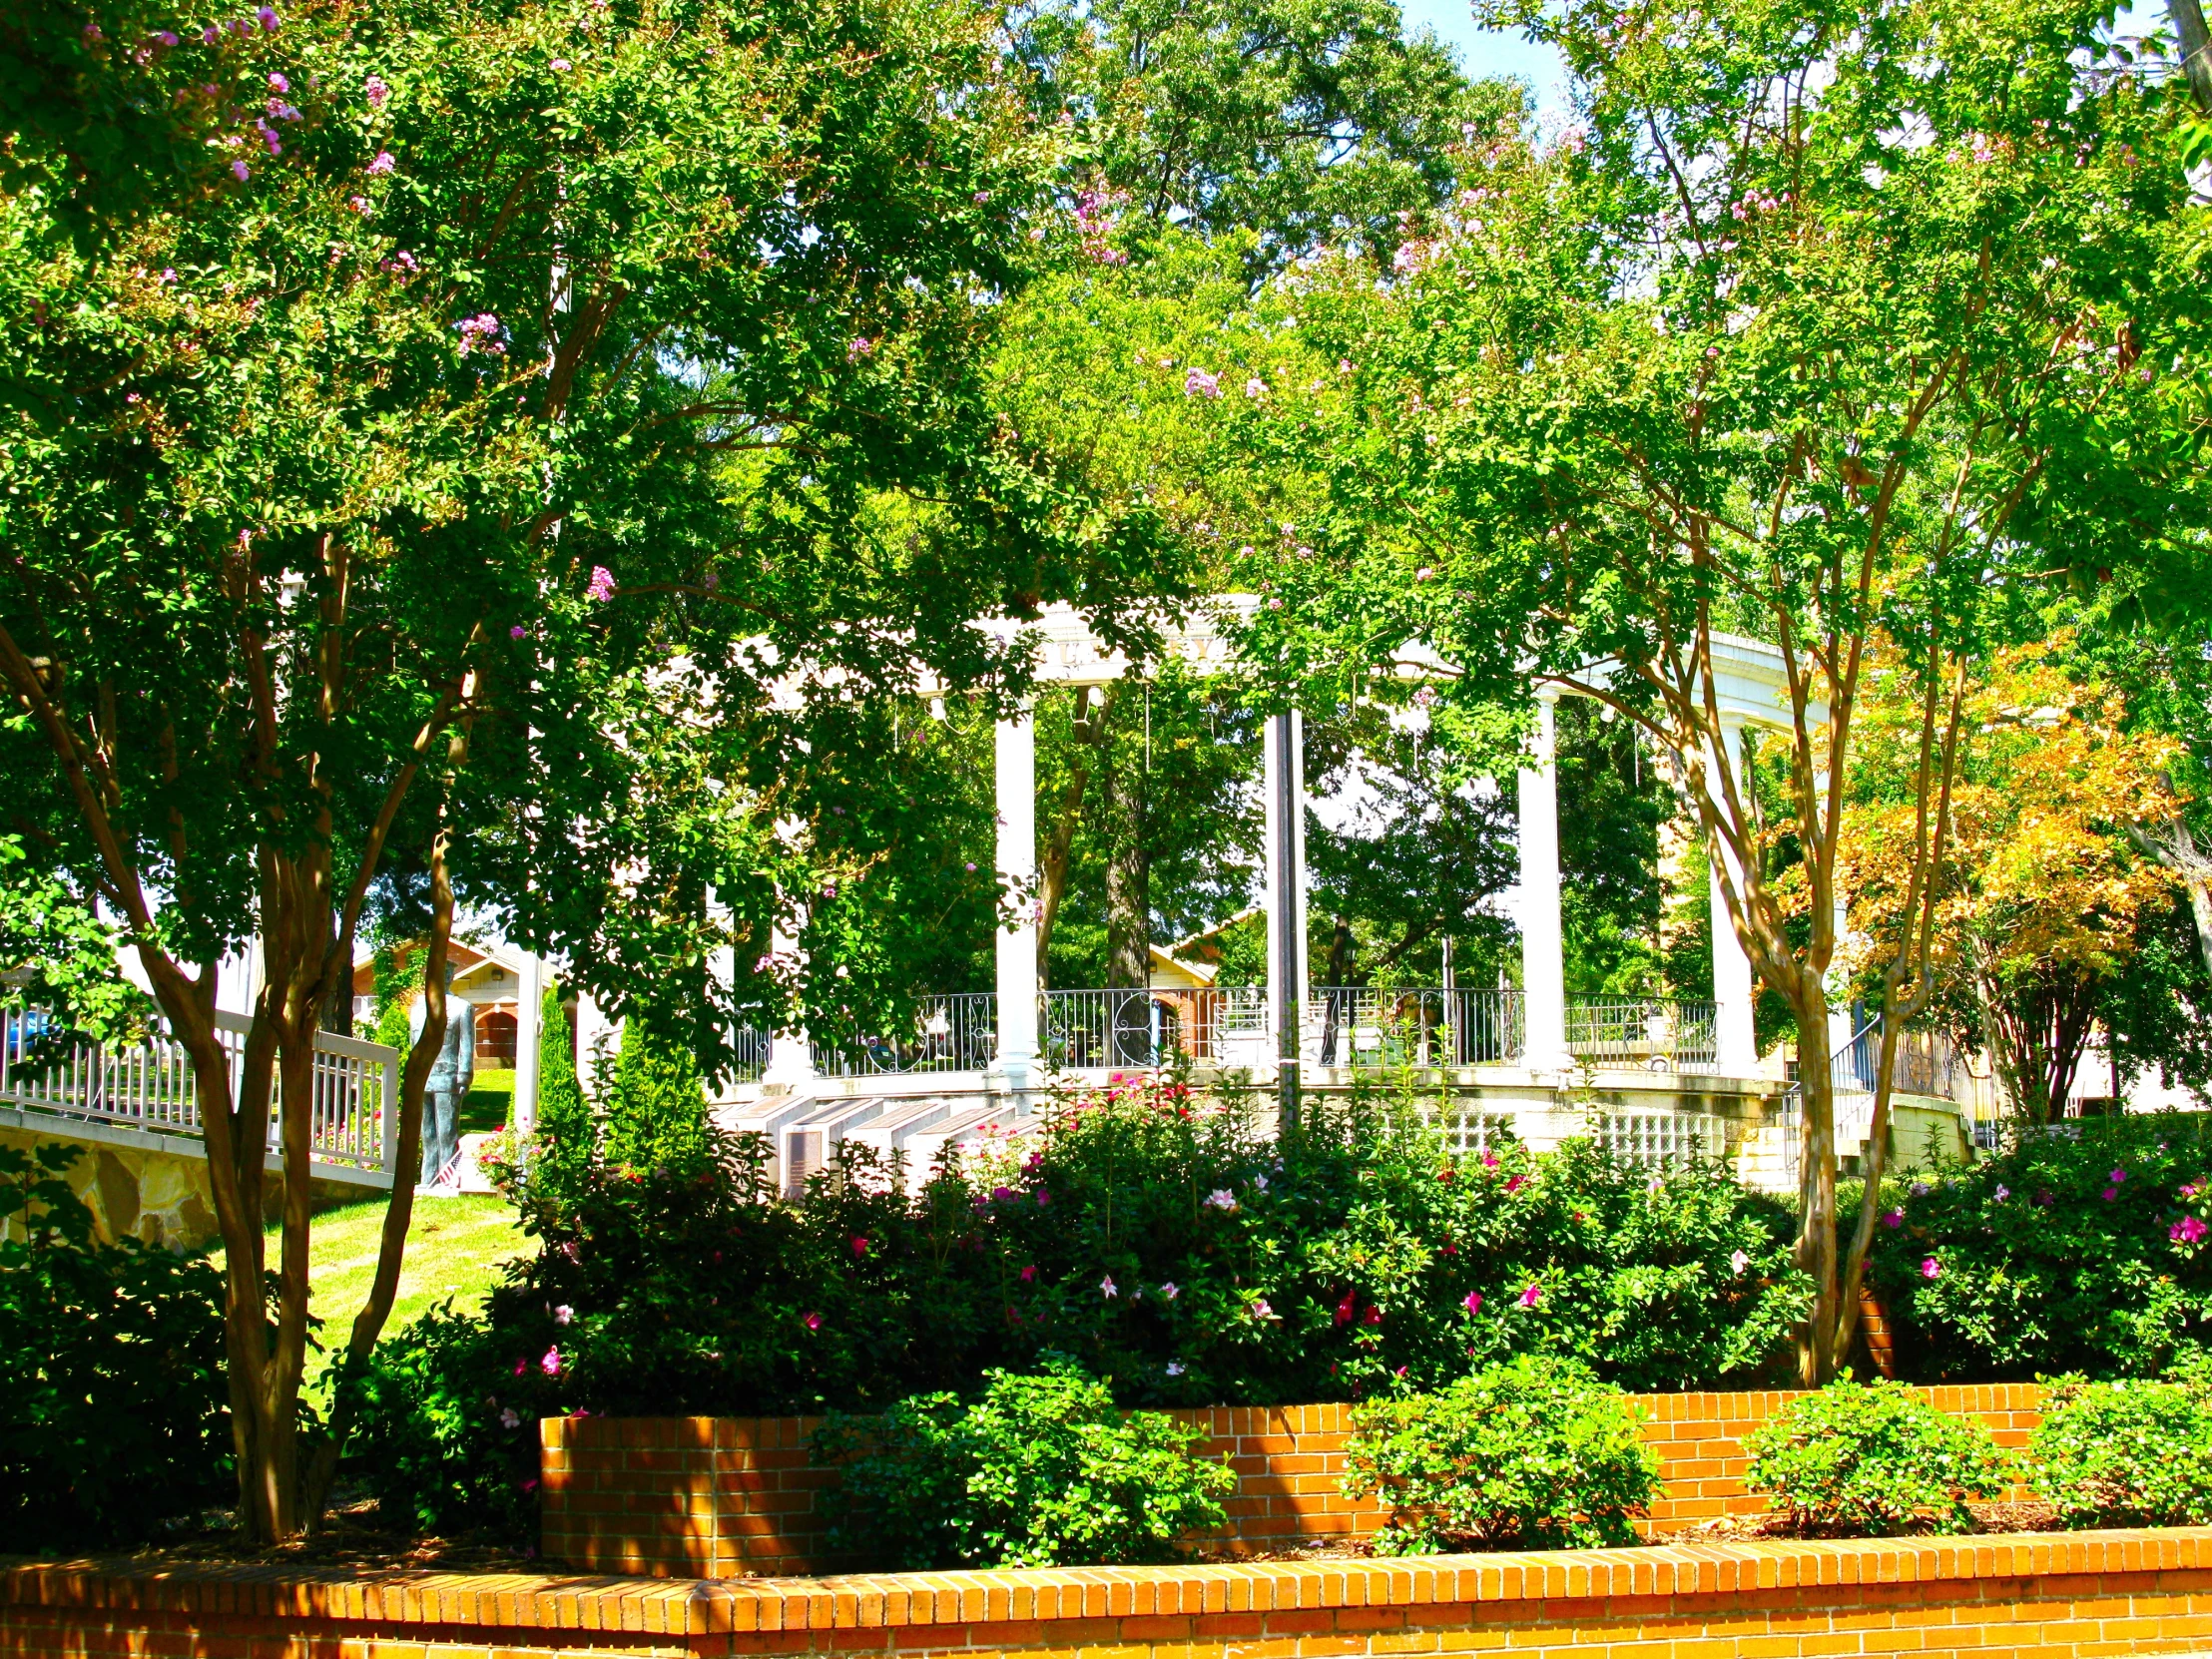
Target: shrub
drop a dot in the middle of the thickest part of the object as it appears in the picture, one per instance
(1872, 1460)
(564, 1129)
(1532, 1455)
(1041, 1471)
(657, 1118)
(2128, 1454)
(1157, 1238)
(2083, 1250)
(445, 1432)
(116, 1414)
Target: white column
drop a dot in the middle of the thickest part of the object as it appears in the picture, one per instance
(791, 1052)
(1543, 948)
(1284, 786)
(1015, 772)
(593, 1031)
(529, 1037)
(1735, 1040)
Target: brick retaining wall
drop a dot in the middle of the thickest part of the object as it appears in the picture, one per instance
(721, 1497)
(2068, 1596)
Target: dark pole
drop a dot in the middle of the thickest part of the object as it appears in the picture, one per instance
(1290, 989)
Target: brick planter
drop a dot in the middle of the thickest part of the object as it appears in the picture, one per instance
(2147, 1592)
(722, 1497)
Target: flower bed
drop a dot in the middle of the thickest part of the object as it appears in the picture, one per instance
(726, 1496)
(2135, 1592)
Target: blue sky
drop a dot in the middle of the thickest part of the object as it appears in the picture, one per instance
(1484, 53)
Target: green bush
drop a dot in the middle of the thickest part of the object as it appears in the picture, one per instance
(1159, 1239)
(1872, 1460)
(565, 1132)
(445, 1432)
(2128, 1454)
(117, 1416)
(2081, 1249)
(1041, 1471)
(657, 1118)
(1532, 1455)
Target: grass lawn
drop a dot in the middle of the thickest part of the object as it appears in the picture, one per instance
(454, 1248)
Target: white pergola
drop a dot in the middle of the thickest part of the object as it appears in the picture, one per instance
(1751, 689)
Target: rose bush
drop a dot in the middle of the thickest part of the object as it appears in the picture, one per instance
(1151, 1234)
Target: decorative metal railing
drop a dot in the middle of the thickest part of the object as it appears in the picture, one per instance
(151, 1085)
(1394, 1025)
(1643, 1033)
(948, 1033)
(1090, 1029)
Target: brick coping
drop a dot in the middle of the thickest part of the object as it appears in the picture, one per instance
(1008, 1595)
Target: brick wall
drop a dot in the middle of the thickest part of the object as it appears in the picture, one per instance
(722, 1497)
(2064, 1596)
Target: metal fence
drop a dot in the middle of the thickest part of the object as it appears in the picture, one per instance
(151, 1085)
(1644, 1033)
(1395, 1025)
(1090, 1029)
(948, 1033)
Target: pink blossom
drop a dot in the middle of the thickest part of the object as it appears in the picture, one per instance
(563, 1313)
(862, 346)
(1426, 573)
(1930, 1268)
(551, 1363)
(2118, 1176)
(1106, 1287)
(860, 1248)
(2188, 1230)
(359, 204)
(1530, 1297)
(1489, 1160)
(1895, 1217)
(517, 632)
(1199, 384)
(1255, 387)
(1170, 1291)
(377, 92)
(1473, 1301)
(209, 36)
(602, 584)
(2110, 1193)
(811, 1322)
(268, 16)
(1514, 1183)
(165, 37)
(561, 65)
(1261, 1310)
(382, 164)
(1029, 1274)
(1738, 1261)
(240, 172)
(521, 1366)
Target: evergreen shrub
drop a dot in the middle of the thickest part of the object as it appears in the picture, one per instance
(1040, 1470)
(2132, 1452)
(1535, 1453)
(1872, 1459)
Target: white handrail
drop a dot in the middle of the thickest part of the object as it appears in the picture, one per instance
(151, 1086)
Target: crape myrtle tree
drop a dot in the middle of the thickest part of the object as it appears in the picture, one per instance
(490, 476)
(1836, 327)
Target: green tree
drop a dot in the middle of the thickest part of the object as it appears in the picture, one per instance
(1764, 344)
(565, 1130)
(657, 1116)
(436, 498)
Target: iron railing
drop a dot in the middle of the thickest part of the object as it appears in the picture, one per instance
(1394, 1025)
(1090, 1029)
(948, 1033)
(1643, 1033)
(151, 1085)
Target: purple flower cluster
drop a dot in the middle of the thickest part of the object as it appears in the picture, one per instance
(481, 334)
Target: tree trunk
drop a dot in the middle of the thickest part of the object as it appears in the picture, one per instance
(2197, 50)
(1128, 877)
(407, 1157)
(2174, 848)
(1829, 1321)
